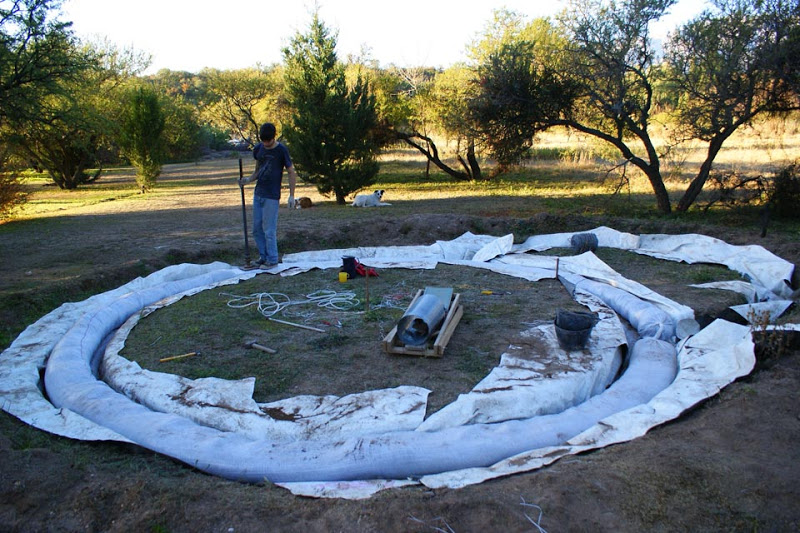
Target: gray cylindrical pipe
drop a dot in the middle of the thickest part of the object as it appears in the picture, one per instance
(420, 320)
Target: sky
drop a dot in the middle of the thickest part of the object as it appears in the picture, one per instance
(191, 35)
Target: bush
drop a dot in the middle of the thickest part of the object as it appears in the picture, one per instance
(784, 194)
(732, 190)
(11, 192)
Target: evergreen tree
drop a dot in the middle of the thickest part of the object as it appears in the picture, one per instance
(331, 129)
(141, 135)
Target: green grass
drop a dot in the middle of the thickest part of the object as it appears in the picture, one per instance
(340, 360)
(544, 185)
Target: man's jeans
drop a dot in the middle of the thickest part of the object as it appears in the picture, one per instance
(265, 226)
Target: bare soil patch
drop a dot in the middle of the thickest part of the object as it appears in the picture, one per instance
(731, 464)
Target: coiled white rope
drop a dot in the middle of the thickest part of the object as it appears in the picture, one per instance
(271, 303)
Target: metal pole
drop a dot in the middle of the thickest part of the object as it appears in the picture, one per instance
(244, 219)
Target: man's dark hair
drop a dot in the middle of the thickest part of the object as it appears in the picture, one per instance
(267, 131)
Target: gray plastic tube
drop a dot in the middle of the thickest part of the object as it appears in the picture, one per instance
(649, 320)
(71, 384)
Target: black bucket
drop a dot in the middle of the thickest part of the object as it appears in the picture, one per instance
(349, 264)
(573, 328)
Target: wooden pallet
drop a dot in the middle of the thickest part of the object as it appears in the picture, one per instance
(392, 345)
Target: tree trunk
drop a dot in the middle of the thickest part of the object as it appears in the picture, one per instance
(474, 166)
(696, 186)
(471, 166)
(653, 173)
(432, 154)
(659, 189)
(651, 168)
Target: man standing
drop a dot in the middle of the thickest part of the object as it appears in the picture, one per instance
(272, 157)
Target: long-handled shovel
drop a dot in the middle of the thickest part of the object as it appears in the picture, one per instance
(247, 264)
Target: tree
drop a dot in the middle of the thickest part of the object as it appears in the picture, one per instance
(183, 101)
(734, 62)
(414, 104)
(441, 104)
(405, 101)
(242, 100)
(461, 104)
(140, 137)
(507, 119)
(12, 193)
(73, 128)
(506, 28)
(66, 146)
(183, 136)
(612, 62)
(519, 86)
(438, 105)
(330, 131)
(39, 57)
(385, 87)
(600, 77)
(187, 86)
(65, 136)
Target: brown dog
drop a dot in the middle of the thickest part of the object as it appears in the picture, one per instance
(303, 202)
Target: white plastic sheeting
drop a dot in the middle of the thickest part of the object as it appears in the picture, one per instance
(648, 320)
(606, 238)
(760, 266)
(762, 311)
(21, 363)
(538, 377)
(395, 455)
(751, 293)
(589, 266)
(229, 406)
(79, 405)
(721, 353)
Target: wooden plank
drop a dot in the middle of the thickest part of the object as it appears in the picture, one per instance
(449, 326)
(388, 341)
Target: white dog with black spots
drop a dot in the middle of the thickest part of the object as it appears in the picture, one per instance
(369, 200)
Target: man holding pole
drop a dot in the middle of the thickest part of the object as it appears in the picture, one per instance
(272, 157)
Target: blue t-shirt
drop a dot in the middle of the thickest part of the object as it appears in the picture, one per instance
(271, 162)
